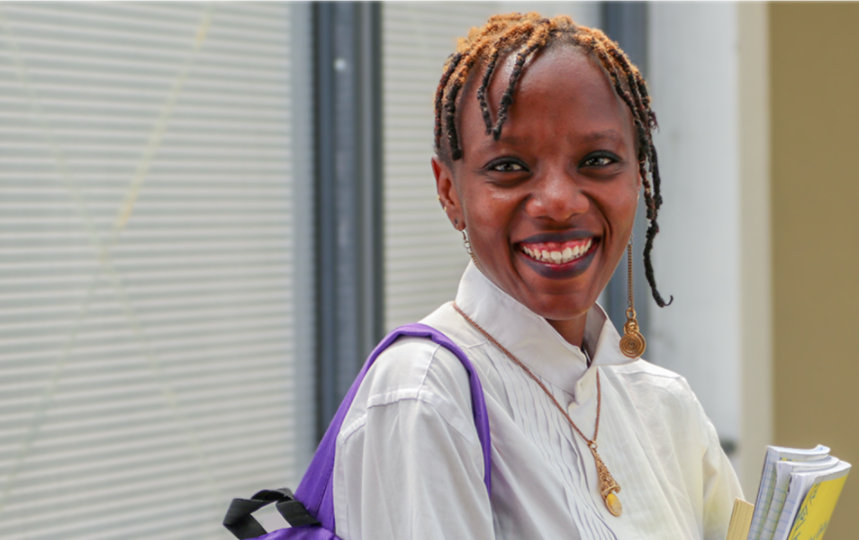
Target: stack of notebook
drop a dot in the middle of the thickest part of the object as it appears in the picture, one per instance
(796, 496)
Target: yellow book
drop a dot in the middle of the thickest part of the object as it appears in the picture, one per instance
(817, 506)
(773, 485)
(796, 496)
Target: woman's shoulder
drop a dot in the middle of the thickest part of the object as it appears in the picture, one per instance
(654, 384)
(412, 368)
(418, 369)
(645, 372)
(664, 402)
(414, 364)
(417, 381)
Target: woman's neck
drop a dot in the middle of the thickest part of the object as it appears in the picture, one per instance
(572, 330)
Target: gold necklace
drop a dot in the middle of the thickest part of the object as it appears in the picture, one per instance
(607, 484)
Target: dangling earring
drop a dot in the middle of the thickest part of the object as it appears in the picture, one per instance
(632, 344)
(467, 243)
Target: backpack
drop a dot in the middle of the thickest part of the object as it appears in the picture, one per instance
(310, 510)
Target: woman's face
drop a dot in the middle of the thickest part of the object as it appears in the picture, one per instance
(549, 207)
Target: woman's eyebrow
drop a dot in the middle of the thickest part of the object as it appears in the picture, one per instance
(488, 143)
(609, 134)
(506, 139)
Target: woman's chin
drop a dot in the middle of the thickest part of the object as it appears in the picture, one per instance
(559, 290)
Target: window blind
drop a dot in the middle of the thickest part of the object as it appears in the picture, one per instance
(153, 195)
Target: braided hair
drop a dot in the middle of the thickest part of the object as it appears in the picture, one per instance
(525, 35)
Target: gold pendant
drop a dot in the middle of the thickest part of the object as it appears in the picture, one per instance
(607, 484)
(632, 344)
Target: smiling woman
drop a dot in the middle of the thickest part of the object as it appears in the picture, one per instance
(549, 204)
(543, 144)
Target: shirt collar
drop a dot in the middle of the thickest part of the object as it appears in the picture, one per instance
(534, 341)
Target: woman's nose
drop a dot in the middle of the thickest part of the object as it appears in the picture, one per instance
(558, 196)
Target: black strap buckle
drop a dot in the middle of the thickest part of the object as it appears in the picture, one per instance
(239, 521)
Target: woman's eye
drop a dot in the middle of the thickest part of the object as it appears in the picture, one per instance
(506, 166)
(599, 160)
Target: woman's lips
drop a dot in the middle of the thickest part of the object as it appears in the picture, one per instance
(559, 259)
(558, 252)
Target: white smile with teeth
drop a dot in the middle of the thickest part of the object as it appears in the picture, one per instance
(558, 256)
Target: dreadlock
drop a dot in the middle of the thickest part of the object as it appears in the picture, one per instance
(526, 35)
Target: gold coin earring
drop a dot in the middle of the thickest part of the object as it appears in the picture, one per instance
(632, 344)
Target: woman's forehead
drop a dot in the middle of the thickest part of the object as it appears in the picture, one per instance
(555, 76)
(566, 65)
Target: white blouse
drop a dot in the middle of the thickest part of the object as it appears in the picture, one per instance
(409, 464)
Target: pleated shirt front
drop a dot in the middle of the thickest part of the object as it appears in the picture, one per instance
(409, 464)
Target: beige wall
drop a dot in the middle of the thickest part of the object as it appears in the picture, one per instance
(815, 221)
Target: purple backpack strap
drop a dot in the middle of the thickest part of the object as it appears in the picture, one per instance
(316, 487)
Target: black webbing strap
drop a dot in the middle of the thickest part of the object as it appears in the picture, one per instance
(239, 521)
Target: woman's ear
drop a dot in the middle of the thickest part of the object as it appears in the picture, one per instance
(447, 195)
